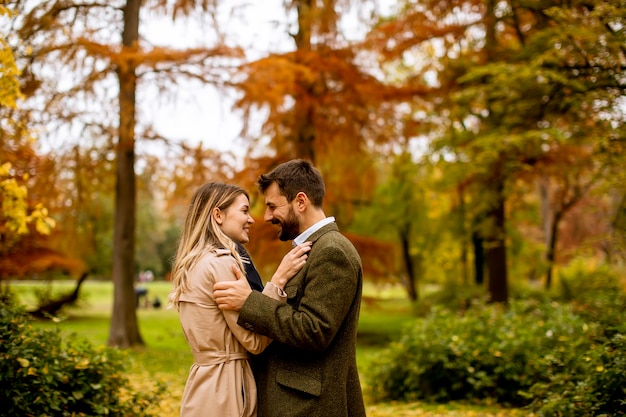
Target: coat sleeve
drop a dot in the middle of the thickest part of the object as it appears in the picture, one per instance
(252, 342)
(327, 291)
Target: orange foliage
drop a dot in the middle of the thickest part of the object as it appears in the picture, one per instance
(26, 263)
(378, 257)
(323, 107)
(154, 56)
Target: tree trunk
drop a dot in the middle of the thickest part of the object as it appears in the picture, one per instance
(304, 128)
(496, 248)
(124, 331)
(546, 225)
(496, 241)
(464, 266)
(478, 246)
(551, 249)
(52, 307)
(463, 234)
(566, 203)
(411, 285)
(479, 259)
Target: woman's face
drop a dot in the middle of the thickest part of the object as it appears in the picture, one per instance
(236, 220)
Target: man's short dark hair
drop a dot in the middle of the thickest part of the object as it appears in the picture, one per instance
(292, 177)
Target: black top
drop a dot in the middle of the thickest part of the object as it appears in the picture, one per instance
(251, 273)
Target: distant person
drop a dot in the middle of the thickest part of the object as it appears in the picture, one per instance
(310, 368)
(141, 293)
(220, 381)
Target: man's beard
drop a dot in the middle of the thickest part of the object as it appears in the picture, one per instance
(290, 228)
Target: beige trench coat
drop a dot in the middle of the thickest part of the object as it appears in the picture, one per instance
(220, 381)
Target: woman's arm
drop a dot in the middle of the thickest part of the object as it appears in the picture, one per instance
(291, 263)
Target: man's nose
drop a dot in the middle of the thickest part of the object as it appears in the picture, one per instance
(268, 215)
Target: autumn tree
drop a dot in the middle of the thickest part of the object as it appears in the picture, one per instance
(515, 84)
(176, 179)
(322, 104)
(321, 100)
(87, 63)
(408, 212)
(20, 214)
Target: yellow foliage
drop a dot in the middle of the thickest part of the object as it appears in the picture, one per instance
(83, 364)
(9, 82)
(15, 215)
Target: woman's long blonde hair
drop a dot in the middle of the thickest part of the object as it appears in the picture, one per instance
(201, 233)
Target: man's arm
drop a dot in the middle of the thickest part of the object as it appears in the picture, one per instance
(231, 295)
(332, 286)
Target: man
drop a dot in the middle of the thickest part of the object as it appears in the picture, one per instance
(310, 368)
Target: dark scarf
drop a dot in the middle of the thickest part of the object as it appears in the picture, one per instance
(251, 273)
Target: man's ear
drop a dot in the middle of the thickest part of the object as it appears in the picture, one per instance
(302, 201)
(217, 215)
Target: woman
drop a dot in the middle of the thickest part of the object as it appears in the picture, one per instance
(220, 382)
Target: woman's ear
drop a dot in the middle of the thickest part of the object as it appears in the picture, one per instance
(217, 215)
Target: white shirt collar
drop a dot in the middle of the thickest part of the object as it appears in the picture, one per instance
(302, 237)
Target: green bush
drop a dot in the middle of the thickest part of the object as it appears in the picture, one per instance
(597, 294)
(453, 296)
(598, 390)
(45, 374)
(489, 352)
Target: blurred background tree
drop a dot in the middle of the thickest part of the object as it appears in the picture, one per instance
(81, 73)
(463, 143)
(22, 215)
(521, 95)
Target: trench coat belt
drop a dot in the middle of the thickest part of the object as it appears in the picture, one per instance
(215, 357)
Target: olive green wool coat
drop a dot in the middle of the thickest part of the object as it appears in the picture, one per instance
(310, 367)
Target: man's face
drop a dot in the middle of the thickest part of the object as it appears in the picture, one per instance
(280, 212)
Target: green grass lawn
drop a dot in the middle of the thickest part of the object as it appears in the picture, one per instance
(166, 356)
